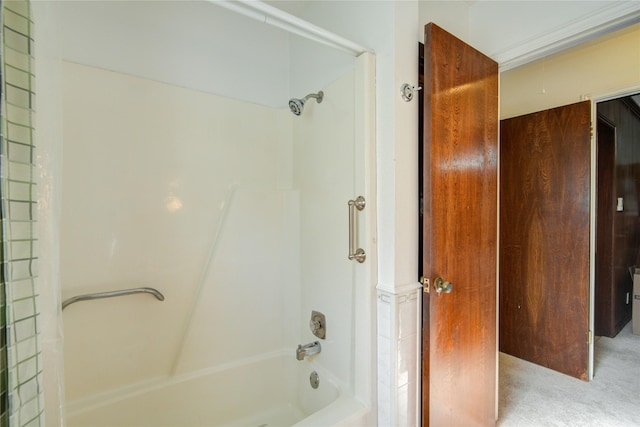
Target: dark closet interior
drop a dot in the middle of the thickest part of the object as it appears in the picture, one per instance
(618, 212)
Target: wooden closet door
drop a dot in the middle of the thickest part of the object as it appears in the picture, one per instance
(545, 166)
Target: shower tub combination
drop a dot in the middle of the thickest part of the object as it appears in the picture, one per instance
(275, 391)
(233, 210)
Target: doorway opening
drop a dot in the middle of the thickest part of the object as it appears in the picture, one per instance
(617, 209)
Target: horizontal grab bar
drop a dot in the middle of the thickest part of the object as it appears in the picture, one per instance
(99, 295)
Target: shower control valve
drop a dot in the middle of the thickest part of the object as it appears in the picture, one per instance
(318, 324)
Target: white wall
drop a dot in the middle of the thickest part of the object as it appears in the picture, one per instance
(222, 52)
(324, 176)
(452, 16)
(155, 178)
(370, 23)
(313, 66)
(610, 63)
(153, 181)
(391, 29)
(113, 39)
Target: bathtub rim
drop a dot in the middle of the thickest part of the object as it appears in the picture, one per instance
(117, 395)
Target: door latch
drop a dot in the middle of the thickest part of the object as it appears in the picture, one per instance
(426, 285)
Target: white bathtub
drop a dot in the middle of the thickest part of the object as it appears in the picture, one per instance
(272, 391)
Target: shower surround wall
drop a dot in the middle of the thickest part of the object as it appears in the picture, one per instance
(235, 211)
(155, 178)
(136, 106)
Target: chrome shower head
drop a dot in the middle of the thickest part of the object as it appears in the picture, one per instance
(297, 105)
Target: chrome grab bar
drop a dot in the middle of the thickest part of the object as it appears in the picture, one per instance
(99, 295)
(357, 254)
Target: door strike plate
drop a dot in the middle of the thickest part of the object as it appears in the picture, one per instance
(425, 284)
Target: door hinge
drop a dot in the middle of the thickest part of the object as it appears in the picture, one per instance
(590, 338)
(426, 286)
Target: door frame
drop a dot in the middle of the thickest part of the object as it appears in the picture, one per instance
(595, 98)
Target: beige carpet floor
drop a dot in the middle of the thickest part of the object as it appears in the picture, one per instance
(533, 396)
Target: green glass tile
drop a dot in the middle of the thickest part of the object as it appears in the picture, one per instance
(22, 289)
(20, 153)
(19, 133)
(27, 369)
(2, 305)
(16, 21)
(30, 411)
(20, 357)
(26, 327)
(17, 77)
(20, 209)
(19, 115)
(22, 309)
(35, 422)
(20, 230)
(20, 97)
(20, 190)
(18, 59)
(20, 7)
(26, 347)
(23, 269)
(21, 250)
(20, 171)
(16, 40)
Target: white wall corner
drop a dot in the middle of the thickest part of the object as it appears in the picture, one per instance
(399, 356)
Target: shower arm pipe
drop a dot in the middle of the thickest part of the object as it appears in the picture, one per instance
(110, 294)
(273, 16)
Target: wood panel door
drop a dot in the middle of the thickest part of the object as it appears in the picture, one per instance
(459, 232)
(545, 166)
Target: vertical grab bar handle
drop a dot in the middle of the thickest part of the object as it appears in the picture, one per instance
(355, 253)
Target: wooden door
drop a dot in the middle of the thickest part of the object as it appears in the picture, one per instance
(460, 232)
(545, 165)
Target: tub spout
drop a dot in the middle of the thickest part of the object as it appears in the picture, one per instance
(307, 350)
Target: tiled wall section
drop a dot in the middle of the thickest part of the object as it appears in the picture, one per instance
(22, 368)
(398, 356)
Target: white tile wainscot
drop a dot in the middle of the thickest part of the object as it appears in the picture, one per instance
(399, 355)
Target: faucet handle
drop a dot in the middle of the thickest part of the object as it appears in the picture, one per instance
(318, 324)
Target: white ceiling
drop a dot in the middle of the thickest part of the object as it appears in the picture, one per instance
(514, 32)
(210, 55)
